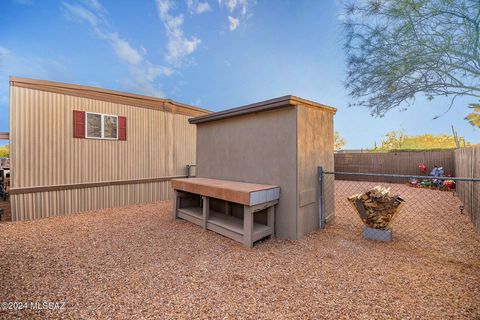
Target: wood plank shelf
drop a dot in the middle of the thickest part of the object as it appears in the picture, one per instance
(192, 214)
(228, 226)
(244, 230)
(235, 225)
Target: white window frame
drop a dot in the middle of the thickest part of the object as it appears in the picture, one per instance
(102, 125)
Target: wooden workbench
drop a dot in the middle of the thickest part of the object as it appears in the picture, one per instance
(253, 197)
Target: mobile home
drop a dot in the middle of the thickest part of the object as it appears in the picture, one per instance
(78, 148)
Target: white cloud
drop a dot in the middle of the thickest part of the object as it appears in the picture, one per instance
(241, 10)
(81, 14)
(14, 64)
(179, 46)
(232, 5)
(234, 23)
(203, 7)
(4, 52)
(143, 75)
(198, 7)
(143, 78)
(124, 50)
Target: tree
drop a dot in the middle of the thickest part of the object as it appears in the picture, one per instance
(4, 151)
(398, 140)
(398, 49)
(393, 140)
(474, 117)
(339, 142)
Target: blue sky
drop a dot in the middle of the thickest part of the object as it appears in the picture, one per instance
(215, 54)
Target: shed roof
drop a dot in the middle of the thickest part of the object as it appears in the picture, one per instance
(119, 97)
(272, 104)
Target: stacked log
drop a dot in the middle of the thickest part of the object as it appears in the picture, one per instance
(376, 207)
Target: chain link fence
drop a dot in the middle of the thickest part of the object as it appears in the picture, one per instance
(430, 220)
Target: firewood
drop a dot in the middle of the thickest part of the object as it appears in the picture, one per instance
(376, 207)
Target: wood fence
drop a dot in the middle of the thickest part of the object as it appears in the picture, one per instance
(467, 165)
(405, 163)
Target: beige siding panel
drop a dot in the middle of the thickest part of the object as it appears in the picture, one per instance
(37, 205)
(159, 143)
(44, 153)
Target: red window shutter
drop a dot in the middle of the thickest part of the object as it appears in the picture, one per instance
(78, 124)
(122, 128)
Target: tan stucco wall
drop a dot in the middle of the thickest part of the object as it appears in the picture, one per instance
(258, 148)
(315, 148)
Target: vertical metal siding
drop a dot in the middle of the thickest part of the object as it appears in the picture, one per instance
(54, 203)
(44, 153)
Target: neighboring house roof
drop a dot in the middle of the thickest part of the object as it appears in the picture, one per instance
(126, 98)
(272, 104)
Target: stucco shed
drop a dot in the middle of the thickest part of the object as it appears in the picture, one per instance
(279, 142)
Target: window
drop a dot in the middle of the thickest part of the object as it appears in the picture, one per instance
(101, 126)
(110, 125)
(94, 125)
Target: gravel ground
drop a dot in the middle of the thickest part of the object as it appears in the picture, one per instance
(5, 205)
(136, 262)
(430, 222)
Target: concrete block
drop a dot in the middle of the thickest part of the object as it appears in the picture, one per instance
(377, 234)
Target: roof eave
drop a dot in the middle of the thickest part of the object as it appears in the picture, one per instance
(71, 89)
(272, 104)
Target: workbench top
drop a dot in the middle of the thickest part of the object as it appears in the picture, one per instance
(239, 192)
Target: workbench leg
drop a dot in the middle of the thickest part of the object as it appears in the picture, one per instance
(176, 204)
(271, 219)
(247, 226)
(227, 208)
(206, 210)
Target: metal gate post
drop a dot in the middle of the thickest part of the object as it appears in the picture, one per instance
(321, 190)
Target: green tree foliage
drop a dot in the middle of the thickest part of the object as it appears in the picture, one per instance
(474, 117)
(398, 140)
(339, 142)
(393, 140)
(4, 151)
(397, 49)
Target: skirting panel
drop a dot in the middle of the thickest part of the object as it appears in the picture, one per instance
(30, 206)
